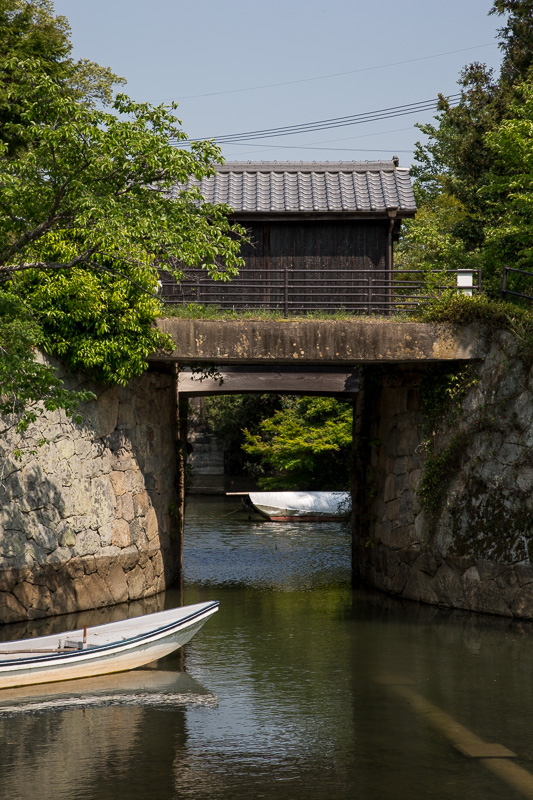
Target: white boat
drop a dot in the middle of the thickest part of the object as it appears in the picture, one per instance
(306, 506)
(102, 649)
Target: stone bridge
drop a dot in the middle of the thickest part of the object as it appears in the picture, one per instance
(95, 517)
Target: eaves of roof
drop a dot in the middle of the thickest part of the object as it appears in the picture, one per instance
(342, 189)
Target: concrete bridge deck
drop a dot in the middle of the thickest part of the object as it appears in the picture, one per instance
(333, 342)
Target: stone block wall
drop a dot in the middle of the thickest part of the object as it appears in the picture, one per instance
(89, 518)
(473, 548)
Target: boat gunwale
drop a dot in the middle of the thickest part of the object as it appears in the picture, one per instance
(35, 660)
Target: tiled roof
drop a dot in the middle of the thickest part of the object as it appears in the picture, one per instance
(366, 187)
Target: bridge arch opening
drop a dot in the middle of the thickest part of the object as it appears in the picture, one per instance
(206, 449)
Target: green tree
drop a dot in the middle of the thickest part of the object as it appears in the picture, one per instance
(228, 416)
(430, 242)
(90, 209)
(28, 386)
(509, 188)
(459, 158)
(305, 445)
(516, 39)
(30, 31)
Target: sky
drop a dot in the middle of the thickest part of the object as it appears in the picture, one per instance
(242, 65)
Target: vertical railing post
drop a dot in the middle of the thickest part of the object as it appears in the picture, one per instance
(504, 282)
(286, 293)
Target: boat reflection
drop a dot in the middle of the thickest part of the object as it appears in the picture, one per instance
(143, 687)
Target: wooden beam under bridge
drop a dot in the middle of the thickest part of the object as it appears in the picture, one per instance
(278, 380)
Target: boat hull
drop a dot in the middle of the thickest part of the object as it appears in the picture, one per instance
(301, 506)
(115, 647)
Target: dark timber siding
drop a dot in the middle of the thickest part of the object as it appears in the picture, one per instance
(297, 264)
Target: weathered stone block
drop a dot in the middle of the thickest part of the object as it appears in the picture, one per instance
(141, 503)
(135, 480)
(449, 587)
(33, 597)
(136, 583)
(410, 553)
(102, 501)
(460, 563)
(522, 605)
(138, 533)
(129, 558)
(105, 532)
(489, 571)
(427, 563)
(490, 600)
(149, 574)
(400, 468)
(125, 508)
(43, 537)
(524, 574)
(121, 533)
(399, 581)
(389, 492)
(393, 510)
(87, 543)
(157, 563)
(118, 482)
(92, 592)
(419, 587)
(152, 527)
(90, 564)
(74, 569)
(11, 609)
(107, 413)
(117, 583)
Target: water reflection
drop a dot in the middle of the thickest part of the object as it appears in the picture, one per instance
(297, 675)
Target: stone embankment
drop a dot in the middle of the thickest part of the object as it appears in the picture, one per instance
(447, 500)
(86, 519)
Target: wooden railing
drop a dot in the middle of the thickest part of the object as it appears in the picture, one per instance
(295, 291)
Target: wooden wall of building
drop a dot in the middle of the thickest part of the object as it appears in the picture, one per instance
(298, 265)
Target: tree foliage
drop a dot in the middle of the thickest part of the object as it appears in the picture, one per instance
(305, 445)
(28, 385)
(431, 241)
(228, 416)
(93, 200)
(508, 189)
(463, 166)
(30, 31)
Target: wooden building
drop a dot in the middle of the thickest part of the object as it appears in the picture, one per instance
(321, 235)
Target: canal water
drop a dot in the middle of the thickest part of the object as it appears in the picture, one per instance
(299, 687)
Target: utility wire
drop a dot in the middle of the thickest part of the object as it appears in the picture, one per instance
(325, 124)
(335, 74)
(341, 149)
(270, 146)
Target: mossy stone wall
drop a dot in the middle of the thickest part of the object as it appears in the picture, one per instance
(467, 541)
(85, 520)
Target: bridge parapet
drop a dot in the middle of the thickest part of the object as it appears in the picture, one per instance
(319, 341)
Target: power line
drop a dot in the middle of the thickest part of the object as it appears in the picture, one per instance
(335, 74)
(270, 146)
(342, 149)
(326, 124)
